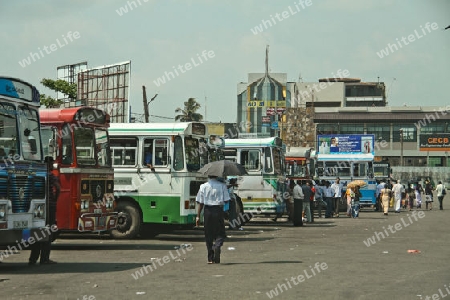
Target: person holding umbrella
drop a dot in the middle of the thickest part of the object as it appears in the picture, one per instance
(211, 197)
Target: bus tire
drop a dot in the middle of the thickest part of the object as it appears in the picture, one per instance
(244, 217)
(129, 221)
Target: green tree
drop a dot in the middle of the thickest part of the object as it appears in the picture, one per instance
(188, 114)
(62, 86)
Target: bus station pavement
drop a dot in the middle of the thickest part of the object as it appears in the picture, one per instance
(399, 256)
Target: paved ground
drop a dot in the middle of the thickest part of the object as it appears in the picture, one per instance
(329, 257)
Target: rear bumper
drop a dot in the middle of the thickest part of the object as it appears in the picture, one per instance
(97, 222)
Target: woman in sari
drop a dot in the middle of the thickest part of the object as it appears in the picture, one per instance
(385, 196)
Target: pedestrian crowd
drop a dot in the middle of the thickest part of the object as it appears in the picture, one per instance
(217, 198)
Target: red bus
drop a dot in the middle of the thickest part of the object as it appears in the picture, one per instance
(77, 139)
(298, 163)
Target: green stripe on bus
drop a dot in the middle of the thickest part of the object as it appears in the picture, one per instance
(163, 210)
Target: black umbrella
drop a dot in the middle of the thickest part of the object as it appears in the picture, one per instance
(223, 168)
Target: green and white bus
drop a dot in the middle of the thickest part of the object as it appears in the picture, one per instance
(158, 195)
(263, 188)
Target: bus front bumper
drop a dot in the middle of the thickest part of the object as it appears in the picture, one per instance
(97, 222)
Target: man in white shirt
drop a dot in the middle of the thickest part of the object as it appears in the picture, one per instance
(212, 195)
(337, 190)
(440, 193)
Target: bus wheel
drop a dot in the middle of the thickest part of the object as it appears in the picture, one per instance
(128, 223)
(244, 217)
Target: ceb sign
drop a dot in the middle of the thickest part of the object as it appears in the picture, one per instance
(438, 140)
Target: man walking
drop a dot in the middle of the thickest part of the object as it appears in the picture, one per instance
(328, 191)
(337, 190)
(307, 194)
(298, 196)
(211, 196)
(440, 191)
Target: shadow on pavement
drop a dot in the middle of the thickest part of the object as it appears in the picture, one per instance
(265, 262)
(62, 267)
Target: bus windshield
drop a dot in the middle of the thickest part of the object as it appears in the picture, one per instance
(102, 146)
(297, 169)
(84, 140)
(278, 161)
(30, 134)
(196, 153)
(8, 131)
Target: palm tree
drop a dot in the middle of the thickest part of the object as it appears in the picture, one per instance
(188, 114)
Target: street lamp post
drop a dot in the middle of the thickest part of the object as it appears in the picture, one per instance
(401, 147)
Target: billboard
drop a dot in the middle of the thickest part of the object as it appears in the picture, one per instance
(346, 144)
(435, 142)
(107, 88)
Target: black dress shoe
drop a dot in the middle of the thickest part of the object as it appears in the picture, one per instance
(48, 262)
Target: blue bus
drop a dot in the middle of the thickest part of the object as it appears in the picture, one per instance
(349, 157)
(23, 173)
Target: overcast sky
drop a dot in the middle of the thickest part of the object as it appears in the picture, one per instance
(312, 39)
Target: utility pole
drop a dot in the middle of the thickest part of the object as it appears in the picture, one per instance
(146, 113)
(401, 147)
(144, 93)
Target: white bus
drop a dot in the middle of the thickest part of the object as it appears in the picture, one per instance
(154, 200)
(262, 189)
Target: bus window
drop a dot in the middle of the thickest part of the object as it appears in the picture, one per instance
(192, 154)
(123, 151)
(268, 160)
(29, 121)
(102, 147)
(278, 161)
(250, 160)
(341, 168)
(67, 155)
(359, 169)
(161, 152)
(84, 139)
(178, 155)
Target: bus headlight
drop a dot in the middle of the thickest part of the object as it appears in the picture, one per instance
(2, 212)
(84, 204)
(39, 211)
(109, 204)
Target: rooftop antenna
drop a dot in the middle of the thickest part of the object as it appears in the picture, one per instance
(206, 102)
(267, 60)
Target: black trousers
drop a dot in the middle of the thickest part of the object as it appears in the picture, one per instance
(214, 229)
(336, 201)
(42, 249)
(298, 208)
